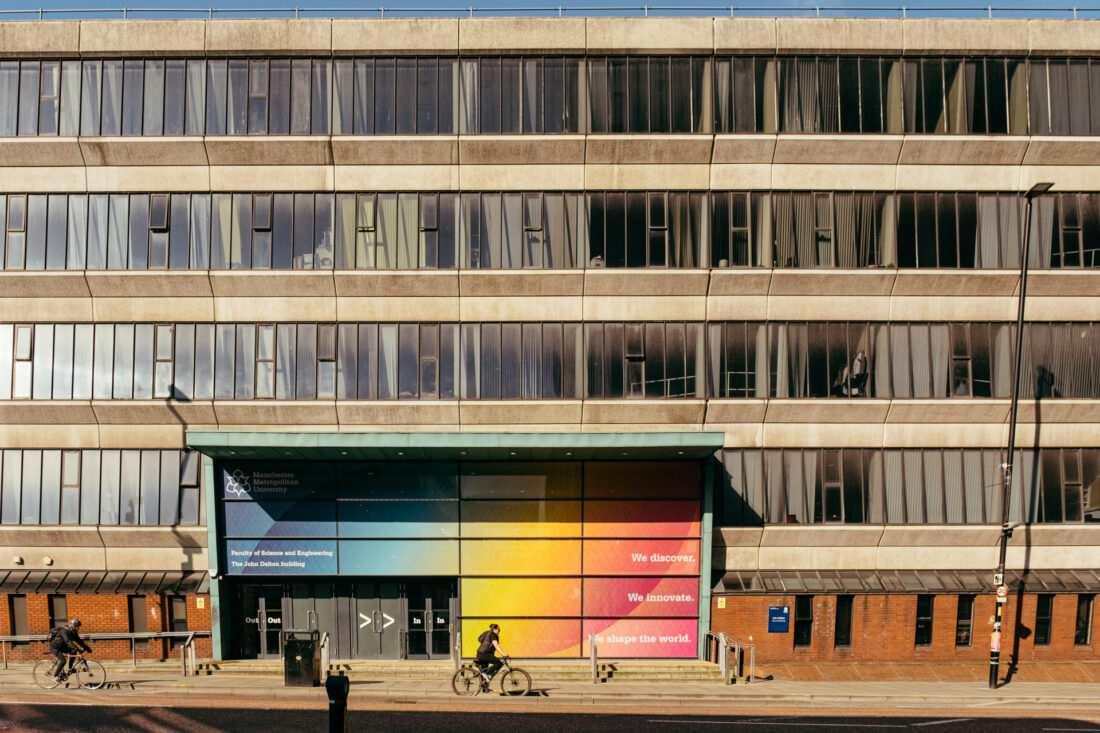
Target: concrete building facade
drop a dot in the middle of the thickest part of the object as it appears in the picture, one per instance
(625, 329)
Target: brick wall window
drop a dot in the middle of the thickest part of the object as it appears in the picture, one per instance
(1082, 627)
(925, 605)
(17, 612)
(1044, 611)
(842, 634)
(964, 621)
(59, 611)
(803, 620)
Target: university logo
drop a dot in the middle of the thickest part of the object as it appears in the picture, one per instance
(237, 484)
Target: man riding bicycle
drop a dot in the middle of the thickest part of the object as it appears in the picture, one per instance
(486, 651)
(66, 640)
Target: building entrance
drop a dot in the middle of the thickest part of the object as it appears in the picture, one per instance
(261, 613)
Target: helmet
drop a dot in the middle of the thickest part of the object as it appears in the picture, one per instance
(74, 622)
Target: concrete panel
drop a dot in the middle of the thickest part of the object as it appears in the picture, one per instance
(490, 412)
(836, 150)
(641, 35)
(175, 37)
(271, 412)
(153, 412)
(822, 435)
(737, 308)
(970, 35)
(268, 150)
(476, 35)
(957, 178)
(156, 558)
(525, 149)
(411, 283)
(818, 558)
(56, 436)
(1054, 558)
(743, 149)
(44, 536)
(46, 412)
(645, 308)
(259, 36)
(740, 282)
(152, 309)
(741, 177)
(185, 178)
(1062, 309)
(1063, 283)
(633, 412)
(743, 35)
(648, 149)
(827, 411)
(137, 151)
(934, 558)
(646, 282)
(521, 177)
(958, 283)
(1069, 177)
(40, 38)
(929, 308)
(61, 557)
(750, 435)
(50, 179)
(403, 413)
(394, 35)
(396, 177)
(41, 151)
(147, 283)
(1056, 535)
(932, 435)
(272, 178)
(948, 411)
(1056, 435)
(260, 283)
(643, 177)
(52, 284)
(397, 308)
(832, 282)
(735, 411)
(1071, 37)
(824, 307)
(274, 309)
(821, 536)
(894, 535)
(846, 35)
(45, 310)
(738, 536)
(473, 309)
(395, 150)
(834, 177)
(1081, 412)
(962, 150)
(153, 536)
(488, 283)
(143, 436)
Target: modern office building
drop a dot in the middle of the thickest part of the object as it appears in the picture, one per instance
(615, 328)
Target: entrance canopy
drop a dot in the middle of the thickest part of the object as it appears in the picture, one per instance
(435, 446)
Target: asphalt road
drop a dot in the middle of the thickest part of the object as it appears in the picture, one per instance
(132, 719)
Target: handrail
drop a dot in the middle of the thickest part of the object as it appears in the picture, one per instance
(727, 644)
(132, 636)
(324, 646)
(822, 10)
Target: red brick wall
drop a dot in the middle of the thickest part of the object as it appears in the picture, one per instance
(884, 628)
(104, 614)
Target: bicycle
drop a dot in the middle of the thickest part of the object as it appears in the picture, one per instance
(88, 674)
(470, 680)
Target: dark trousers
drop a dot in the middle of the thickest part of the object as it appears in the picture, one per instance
(490, 666)
(59, 654)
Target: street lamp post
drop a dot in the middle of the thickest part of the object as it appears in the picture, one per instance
(1006, 467)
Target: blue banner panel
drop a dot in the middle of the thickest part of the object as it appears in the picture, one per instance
(398, 480)
(399, 557)
(281, 557)
(398, 518)
(280, 518)
(279, 480)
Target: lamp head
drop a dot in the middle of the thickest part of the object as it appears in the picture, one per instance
(1037, 189)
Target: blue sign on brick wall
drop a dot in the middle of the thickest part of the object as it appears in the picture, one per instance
(779, 619)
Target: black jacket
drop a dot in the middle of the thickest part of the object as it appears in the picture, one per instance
(68, 640)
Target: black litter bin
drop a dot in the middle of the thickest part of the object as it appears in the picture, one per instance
(301, 658)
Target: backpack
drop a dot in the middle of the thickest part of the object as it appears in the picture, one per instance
(54, 634)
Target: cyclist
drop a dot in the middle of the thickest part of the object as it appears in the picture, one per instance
(486, 651)
(66, 640)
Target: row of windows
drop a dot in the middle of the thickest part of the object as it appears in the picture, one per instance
(932, 486)
(666, 229)
(925, 615)
(550, 94)
(137, 607)
(653, 360)
(115, 487)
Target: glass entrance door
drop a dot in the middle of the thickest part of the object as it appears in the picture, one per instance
(261, 616)
(429, 619)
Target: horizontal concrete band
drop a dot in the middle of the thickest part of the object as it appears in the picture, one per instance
(342, 36)
(46, 548)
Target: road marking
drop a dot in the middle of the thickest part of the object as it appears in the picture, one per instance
(796, 724)
(941, 722)
(1081, 730)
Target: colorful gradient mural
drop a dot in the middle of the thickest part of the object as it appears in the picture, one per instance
(553, 552)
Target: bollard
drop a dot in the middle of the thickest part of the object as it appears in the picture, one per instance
(592, 653)
(337, 688)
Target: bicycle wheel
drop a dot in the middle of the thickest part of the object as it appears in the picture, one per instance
(515, 682)
(467, 681)
(43, 674)
(90, 675)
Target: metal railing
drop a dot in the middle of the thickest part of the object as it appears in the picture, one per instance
(561, 11)
(325, 651)
(187, 649)
(724, 647)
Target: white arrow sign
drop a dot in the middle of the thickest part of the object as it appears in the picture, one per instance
(366, 620)
(385, 624)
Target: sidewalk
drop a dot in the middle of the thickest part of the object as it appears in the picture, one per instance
(139, 684)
